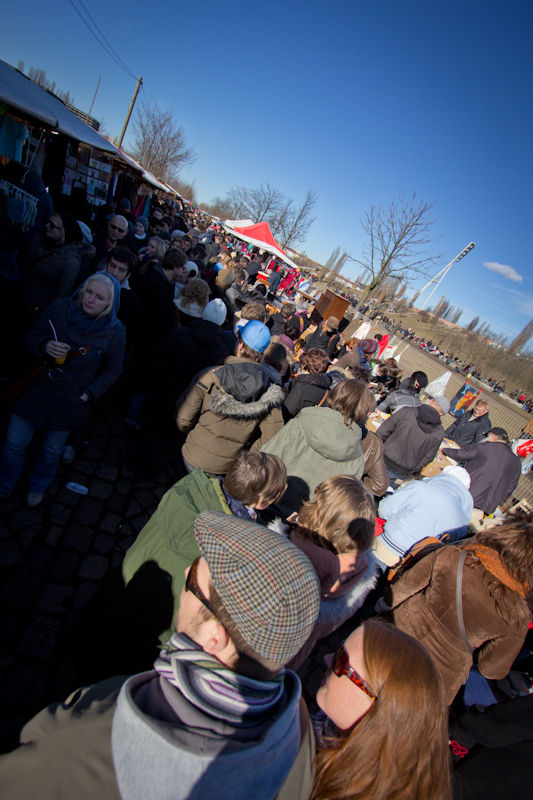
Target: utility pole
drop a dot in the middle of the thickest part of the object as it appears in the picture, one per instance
(130, 109)
(96, 92)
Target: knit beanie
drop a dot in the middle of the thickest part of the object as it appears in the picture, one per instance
(215, 311)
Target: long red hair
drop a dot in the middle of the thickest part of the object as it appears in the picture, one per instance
(399, 749)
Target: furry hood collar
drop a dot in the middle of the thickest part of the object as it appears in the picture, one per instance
(225, 405)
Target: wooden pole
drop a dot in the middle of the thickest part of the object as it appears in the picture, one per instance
(96, 92)
(130, 109)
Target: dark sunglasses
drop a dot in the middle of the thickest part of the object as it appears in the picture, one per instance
(116, 228)
(341, 667)
(191, 585)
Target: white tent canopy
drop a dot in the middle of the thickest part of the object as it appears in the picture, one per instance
(238, 223)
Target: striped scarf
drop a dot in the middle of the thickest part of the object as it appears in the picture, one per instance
(213, 688)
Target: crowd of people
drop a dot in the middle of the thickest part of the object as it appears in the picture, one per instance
(463, 367)
(285, 511)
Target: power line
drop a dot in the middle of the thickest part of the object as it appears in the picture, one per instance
(105, 40)
(122, 66)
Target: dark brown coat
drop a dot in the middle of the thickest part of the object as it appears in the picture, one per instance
(423, 604)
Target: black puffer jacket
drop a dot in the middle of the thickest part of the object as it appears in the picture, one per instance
(412, 437)
(181, 355)
(306, 390)
(52, 274)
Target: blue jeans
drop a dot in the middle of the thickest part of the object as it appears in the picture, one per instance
(395, 476)
(19, 435)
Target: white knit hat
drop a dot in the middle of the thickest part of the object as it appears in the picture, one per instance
(458, 472)
(215, 311)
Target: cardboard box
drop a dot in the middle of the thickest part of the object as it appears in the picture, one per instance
(374, 420)
(436, 466)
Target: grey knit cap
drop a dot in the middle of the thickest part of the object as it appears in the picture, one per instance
(267, 585)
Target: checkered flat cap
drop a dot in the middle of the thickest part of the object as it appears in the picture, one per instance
(267, 585)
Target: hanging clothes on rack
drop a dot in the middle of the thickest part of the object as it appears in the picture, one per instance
(19, 206)
(13, 134)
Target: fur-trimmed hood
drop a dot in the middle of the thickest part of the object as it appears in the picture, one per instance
(225, 405)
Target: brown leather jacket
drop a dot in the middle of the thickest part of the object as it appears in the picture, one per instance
(375, 475)
(423, 604)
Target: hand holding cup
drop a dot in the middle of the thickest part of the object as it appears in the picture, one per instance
(58, 350)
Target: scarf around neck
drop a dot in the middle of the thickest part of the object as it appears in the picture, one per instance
(214, 688)
(492, 562)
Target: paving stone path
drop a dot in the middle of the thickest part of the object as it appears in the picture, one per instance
(54, 557)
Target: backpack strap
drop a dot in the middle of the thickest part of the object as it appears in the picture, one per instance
(459, 601)
(324, 398)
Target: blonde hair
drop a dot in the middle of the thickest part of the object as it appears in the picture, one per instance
(196, 291)
(161, 250)
(342, 515)
(98, 277)
(399, 748)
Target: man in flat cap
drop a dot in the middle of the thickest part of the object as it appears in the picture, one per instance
(218, 716)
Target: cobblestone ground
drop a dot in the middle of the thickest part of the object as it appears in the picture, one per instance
(54, 557)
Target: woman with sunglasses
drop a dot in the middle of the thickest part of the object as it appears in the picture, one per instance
(385, 731)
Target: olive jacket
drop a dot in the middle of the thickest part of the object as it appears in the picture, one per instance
(315, 445)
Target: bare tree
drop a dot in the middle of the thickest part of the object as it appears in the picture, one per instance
(441, 307)
(448, 311)
(237, 201)
(472, 325)
(398, 236)
(38, 76)
(159, 144)
(186, 190)
(332, 266)
(219, 207)
(295, 221)
(401, 291)
(456, 316)
(518, 343)
(288, 222)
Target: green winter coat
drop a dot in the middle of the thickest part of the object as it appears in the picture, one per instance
(168, 537)
(315, 445)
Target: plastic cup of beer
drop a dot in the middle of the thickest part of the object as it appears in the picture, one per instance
(63, 358)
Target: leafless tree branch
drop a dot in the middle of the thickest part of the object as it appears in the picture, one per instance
(159, 144)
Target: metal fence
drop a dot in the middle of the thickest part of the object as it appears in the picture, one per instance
(501, 413)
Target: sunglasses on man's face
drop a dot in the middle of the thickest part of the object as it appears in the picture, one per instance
(191, 585)
(116, 228)
(341, 667)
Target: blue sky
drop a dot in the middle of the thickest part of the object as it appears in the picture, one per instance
(359, 101)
